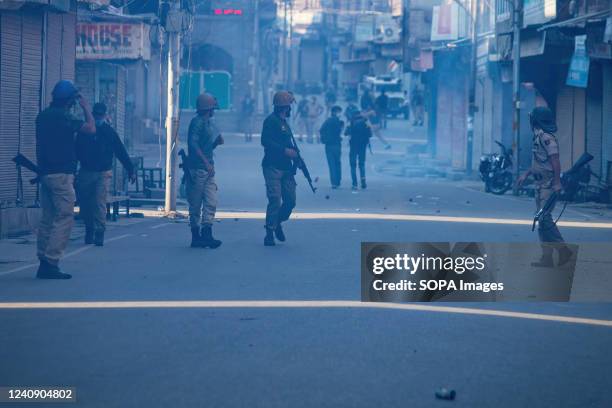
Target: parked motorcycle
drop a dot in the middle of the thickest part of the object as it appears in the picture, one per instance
(496, 171)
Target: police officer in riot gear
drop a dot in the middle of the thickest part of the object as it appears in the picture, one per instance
(203, 138)
(278, 166)
(546, 170)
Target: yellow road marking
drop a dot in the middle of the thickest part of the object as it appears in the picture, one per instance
(301, 304)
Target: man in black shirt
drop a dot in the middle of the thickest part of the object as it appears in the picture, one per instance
(95, 155)
(366, 101)
(56, 130)
(278, 166)
(360, 134)
(382, 105)
(331, 137)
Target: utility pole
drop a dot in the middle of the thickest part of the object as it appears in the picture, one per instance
(290, 48)
(475, 12)
(285, 48)
(173, 27)
(517, 22)
(255, 73)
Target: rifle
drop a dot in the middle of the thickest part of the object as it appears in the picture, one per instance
(301, 164)
(569, 181)
(548, 205)
(21, 160)
(185, 166)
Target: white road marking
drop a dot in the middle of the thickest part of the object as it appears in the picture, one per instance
(408, 217)
(161, 225)
(66, 255)
(255, 215)
(301, 304)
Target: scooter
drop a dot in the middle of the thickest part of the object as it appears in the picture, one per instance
(496, 171)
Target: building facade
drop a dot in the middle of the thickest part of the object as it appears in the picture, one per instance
(37, 49)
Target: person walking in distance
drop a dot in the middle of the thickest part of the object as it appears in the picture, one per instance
(278, 167)
(546, 170)
(331, 137)
(376, 124)
(417, 100)
(203, 138)
(302, 118)
(248, 110)
(366, 102)
(359, 133)
(95, 155)
(382, 105)
(56, 131)
(315, 110)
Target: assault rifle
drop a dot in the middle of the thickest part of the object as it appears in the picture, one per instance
(185, 166)
(301, 164)
(21, 160)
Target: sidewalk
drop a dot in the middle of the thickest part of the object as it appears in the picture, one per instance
(21, 251)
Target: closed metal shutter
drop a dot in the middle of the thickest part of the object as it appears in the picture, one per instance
(53, 52)
(594, 118)
(10, 80)
(68, 45)
(607, 116)
(119, 180)
(85, 80)
(31, 55)
(120, 113)
(571, 112)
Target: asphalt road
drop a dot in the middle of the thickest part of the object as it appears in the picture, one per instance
(247, 325)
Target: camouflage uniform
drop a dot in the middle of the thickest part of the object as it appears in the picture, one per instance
(201, 186)
(544, 146)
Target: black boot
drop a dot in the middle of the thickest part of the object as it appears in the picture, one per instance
(89, 236)
(207, 238)
(49, 271)
(363, 183)
(99, 237)
(280, 234)
(269, 239)
(196, 239)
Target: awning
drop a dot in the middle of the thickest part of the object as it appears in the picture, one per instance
(577, 21)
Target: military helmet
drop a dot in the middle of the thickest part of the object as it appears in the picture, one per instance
(206, 101)
(543, 118)
(64, 89)
(283, 98)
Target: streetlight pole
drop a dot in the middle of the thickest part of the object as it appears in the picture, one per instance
(173, 28)
(516, 86)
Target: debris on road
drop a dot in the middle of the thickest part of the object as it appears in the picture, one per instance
(327, 197)
(445, 394)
